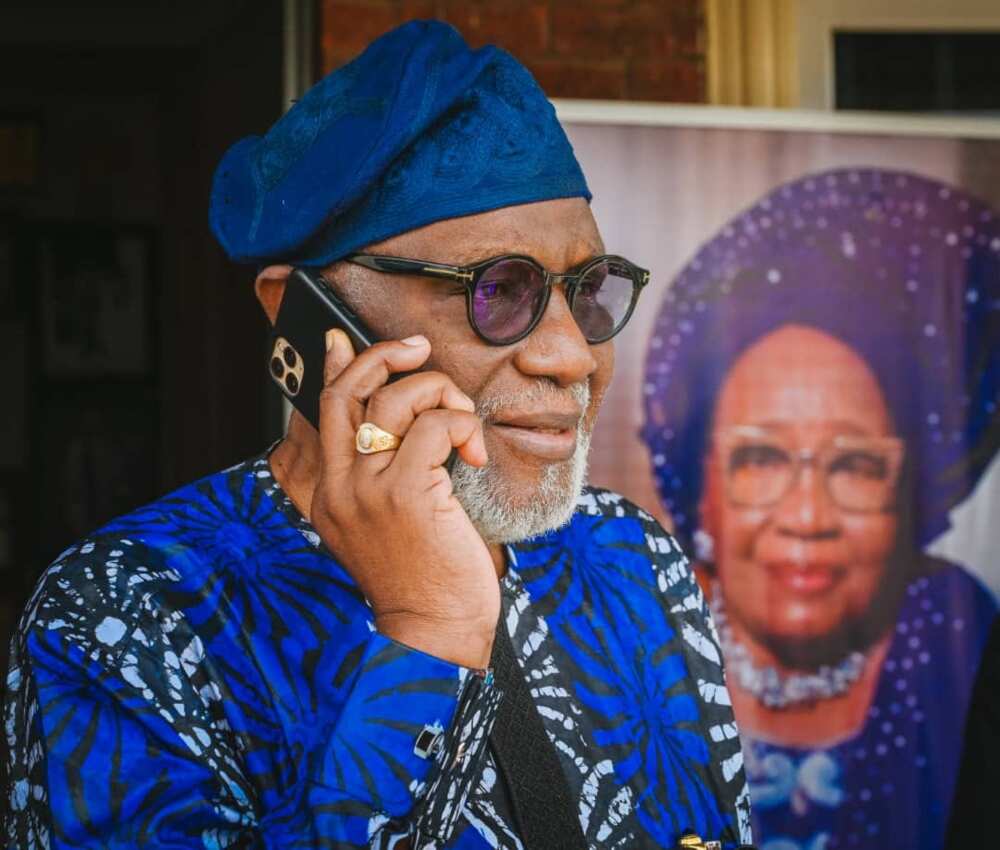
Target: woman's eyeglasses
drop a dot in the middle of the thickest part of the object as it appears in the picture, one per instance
(760, 467)
(506, 296)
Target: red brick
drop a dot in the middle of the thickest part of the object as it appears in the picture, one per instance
(679, 80)
(663, 33)
(640, 49)
(422, 10)
(688, 25)
(587, 32)
(597, 4)
(516, 25)
(348, 28)
(571, 78)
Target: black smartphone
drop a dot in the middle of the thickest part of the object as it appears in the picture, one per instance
(308, 309)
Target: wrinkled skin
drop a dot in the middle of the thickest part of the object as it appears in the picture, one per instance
(391, 517)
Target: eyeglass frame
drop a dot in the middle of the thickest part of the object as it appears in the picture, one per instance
(811, 457)
(470, 276)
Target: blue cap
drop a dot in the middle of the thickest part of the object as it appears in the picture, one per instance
(417, 129)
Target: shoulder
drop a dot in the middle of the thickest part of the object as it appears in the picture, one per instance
(95, 594)
(97, 591)
(607, 520)
(942, 574)
(232, 507)
(969, 608)
(652, 611)
(941, 631)
(112, 615)
(949, 590)
(599, 501)
(99, 642)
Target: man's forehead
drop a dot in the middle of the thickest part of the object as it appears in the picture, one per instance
(554, 232)
(574, 247)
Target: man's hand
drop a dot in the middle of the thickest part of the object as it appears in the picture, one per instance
(390, 517)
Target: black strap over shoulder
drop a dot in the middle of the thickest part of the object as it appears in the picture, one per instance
(544, 810)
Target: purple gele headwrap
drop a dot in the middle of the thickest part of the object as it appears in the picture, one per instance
(903, 269)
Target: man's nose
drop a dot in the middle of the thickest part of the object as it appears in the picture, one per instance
(807, 509)
(556, 348)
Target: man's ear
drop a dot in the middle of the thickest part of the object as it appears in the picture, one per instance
(270, 288)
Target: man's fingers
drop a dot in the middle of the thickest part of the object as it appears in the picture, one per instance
(345, 395)
(334, 417)
(373, 367)
(432, 437)
(394, 407)
(339, 353)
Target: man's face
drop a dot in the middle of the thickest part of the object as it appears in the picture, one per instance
(802, 569)
(538, 397)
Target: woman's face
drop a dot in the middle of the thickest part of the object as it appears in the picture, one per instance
(799, 490)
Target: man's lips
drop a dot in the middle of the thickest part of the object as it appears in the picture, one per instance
(547, 435)
(805, 577)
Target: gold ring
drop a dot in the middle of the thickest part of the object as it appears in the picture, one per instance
(370, 439)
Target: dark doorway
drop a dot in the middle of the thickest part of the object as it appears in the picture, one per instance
(135, 350)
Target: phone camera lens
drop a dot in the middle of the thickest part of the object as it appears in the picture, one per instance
(292, 383)
(291, 358)
(277, 367)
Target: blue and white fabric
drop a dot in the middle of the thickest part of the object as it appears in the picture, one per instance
(202, 673)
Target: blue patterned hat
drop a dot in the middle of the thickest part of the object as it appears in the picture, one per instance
(417, 129)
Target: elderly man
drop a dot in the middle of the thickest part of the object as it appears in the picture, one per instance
(324, 647)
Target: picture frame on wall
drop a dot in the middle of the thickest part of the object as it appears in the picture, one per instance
(6, 527)
(95, 291)
(13, 424)
(6, 268)
(20, 152)
(98, 450)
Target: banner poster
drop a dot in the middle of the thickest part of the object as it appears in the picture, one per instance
(807, 395)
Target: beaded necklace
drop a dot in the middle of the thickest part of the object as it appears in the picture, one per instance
(773, 688)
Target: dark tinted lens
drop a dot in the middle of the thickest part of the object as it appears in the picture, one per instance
(603, 299)
(506, 299)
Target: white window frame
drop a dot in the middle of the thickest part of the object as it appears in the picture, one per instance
(818, 20)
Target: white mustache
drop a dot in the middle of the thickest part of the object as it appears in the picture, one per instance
(537, 395)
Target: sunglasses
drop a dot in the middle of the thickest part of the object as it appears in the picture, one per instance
(506, 296)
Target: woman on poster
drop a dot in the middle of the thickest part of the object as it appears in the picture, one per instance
(821, 391)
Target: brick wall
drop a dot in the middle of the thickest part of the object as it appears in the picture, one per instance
(615, 49)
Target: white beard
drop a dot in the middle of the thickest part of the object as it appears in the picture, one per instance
(502, 516)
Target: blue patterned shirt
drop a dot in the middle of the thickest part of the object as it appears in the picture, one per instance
(203, 673)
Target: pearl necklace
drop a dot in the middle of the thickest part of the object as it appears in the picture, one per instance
(778, 690)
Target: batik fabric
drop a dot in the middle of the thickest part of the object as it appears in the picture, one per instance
(202, 673)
